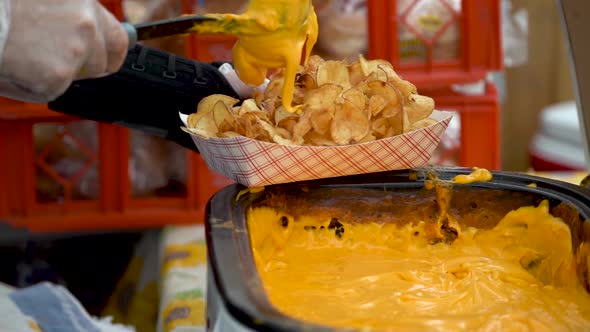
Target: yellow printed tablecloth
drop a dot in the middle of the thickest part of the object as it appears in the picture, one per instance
(164, 287)
(184, 279)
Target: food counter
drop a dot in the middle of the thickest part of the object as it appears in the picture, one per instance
(167, 278)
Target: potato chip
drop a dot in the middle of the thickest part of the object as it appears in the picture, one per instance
(306, 82)
(298, 97)
(312, 64)
(208, 102)
(274, 133)
(207, 123)
(380, 127)
(396, 125)
(283, 132)
(270, 105)
(357, 98)
(406, 88)
(229, 134)
(260, 134)
(386, 73)
(321, 121)
(314, 138)
(224, 119)
(322, 98)
(381, 68)
(281, 114)
(350, 123)
(419, 107)
(249, 106)
(333, 72)
(320, 103)
(206, 105)
(405, 121)
(336, 103)
(422, 124)
(368, 138)
(302, 127)
(274, 88)
(386, 91)
(376, 104)
(355, 73)
(391, 110)
(288, 124)
(246, 126)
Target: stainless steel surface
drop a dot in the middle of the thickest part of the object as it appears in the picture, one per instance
(575, 18)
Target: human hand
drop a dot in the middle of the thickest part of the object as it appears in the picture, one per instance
(51, 43)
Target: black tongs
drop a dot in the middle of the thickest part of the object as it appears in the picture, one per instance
(148, 92)
(181, 25)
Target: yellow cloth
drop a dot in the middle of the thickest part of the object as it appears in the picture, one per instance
(163, 288)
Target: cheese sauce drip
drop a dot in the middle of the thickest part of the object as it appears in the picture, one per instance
(517, 276)
(478, 175)
(271, 34)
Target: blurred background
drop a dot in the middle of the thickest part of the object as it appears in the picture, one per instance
(77, 197)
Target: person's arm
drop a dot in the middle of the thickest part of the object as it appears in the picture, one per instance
(47, 44)
(149, 91)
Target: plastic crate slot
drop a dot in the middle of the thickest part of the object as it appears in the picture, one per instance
(426, 45)
(157, 168)
(65, 160)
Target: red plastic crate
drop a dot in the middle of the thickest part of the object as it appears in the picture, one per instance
(479, 143)
(114, 207)
(479, 48)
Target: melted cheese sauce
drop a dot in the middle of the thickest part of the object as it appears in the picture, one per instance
(271, 34)
(518, 276)
(478, 175)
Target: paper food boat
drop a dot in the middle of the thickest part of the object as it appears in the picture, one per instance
(255, 163)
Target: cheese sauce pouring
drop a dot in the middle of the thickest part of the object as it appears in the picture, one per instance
(272, 34)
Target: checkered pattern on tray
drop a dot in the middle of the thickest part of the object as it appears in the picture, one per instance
(255, 163)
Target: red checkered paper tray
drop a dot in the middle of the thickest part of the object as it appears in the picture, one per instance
(255, 163)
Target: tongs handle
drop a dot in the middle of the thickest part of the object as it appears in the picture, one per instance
(148, 92)
(131, 34)
(176, 26)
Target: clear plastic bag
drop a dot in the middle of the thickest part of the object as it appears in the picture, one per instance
(156, 167)
(71, 157)
(425, 19)
(514, 34)
(343, 31)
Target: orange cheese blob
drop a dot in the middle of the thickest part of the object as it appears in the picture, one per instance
(478, 175)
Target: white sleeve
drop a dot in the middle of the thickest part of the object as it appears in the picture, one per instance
(4, 23)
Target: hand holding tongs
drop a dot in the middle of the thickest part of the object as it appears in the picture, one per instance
(151, 87)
